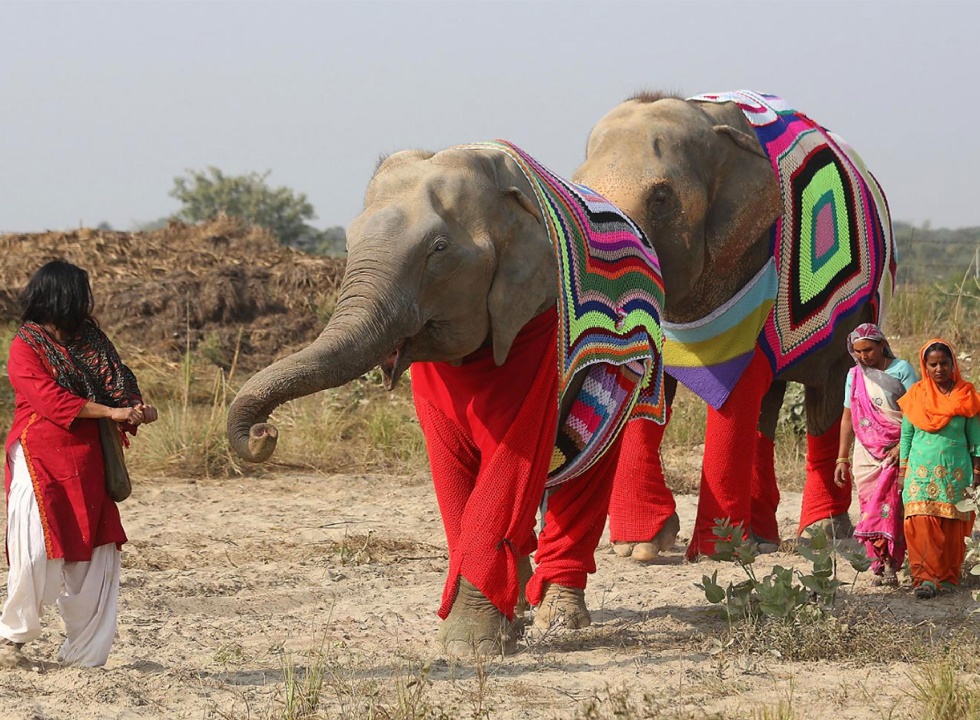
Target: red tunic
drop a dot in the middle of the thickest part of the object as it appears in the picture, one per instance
(64, 456)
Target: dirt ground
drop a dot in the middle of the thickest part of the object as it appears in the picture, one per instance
(227, 584)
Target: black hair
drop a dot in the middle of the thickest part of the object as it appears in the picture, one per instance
(59, 294)
(938, 347)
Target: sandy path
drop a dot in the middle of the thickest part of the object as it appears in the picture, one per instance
(222, 580)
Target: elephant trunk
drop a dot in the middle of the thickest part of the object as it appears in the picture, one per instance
(359, 336)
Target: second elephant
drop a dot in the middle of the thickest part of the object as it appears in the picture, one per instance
(775, 242)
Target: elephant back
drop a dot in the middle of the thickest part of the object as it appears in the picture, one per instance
(832, 249)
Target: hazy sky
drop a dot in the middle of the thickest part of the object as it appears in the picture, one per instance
(103, 104)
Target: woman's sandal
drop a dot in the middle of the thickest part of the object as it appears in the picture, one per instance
(888, 578)
(926, 591)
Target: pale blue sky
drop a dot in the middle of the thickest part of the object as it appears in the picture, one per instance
(103, 104)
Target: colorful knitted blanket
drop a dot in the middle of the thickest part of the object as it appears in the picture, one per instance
(609, 312)
(832, 253)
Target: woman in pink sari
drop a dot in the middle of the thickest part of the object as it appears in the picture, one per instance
(873, 419)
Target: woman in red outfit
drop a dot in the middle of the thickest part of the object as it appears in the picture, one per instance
(63, 531)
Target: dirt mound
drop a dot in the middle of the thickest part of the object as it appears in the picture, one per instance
(212, 287)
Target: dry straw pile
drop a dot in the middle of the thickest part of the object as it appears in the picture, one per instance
(212, 287)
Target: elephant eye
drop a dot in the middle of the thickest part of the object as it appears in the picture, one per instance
(439, 245)
(661, 202)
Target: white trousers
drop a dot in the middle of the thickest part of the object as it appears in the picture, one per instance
(87, 593)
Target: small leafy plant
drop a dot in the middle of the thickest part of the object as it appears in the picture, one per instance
(783, 593)
(971, 504)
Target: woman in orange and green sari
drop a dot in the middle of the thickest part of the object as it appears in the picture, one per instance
(940, 461)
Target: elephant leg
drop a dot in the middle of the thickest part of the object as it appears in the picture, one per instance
(729, 449)
(524, 574)
(643, 518)
(475, 627)
(765, 490)
(573, 523)
(823, 501)
(473, 515)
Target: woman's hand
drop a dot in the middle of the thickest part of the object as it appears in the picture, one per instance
(131, 415)
(891, 458)
(136, 415)
(149, 413)
(842, 474)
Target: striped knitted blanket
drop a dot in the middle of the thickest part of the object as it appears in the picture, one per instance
(832, 253)
(609, 312)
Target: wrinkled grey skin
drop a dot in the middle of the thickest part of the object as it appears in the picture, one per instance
(449, 255)
(696, 180)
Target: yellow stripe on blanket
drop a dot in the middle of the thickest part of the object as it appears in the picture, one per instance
(736, 341)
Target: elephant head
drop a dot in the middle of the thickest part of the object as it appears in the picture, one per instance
(697, 181)
(450, 254)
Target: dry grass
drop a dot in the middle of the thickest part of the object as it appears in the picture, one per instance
(859, 632)
(943, 693)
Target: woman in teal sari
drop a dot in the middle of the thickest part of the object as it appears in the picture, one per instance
(873, 419)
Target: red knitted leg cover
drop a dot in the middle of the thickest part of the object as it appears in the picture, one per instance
(573, 524)
(498, 520)
(641, 502)
(454, 463)
(729, 443)
(765, 491)
(507, 416)
(821, 497)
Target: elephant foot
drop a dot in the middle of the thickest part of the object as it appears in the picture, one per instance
(562, 607)
(765, 547)
(524, 573)
(646, 551)
(836, 527)
(475, 626)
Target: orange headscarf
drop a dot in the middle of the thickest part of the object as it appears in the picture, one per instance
(927, 407)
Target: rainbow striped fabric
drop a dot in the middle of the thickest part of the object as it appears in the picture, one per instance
(609, 313)
(832, 253)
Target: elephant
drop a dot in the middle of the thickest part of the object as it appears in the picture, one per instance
(528, 312)
(775, 242)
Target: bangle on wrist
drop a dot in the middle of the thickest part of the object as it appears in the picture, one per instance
(846, 461)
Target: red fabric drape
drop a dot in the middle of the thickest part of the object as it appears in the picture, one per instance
(822, 498)
(573, 524)
(485, 428)
(490, 433)
(641, 501)
(765, 491)
(729, 450)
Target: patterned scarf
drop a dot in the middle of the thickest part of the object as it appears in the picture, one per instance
(832, 249)
(88, 366)
(609, 313)
(928, 408)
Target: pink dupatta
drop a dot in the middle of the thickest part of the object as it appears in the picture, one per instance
(881, 508)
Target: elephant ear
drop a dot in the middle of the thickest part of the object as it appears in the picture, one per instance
(746, 199)
(525, 280)
(747, 142)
